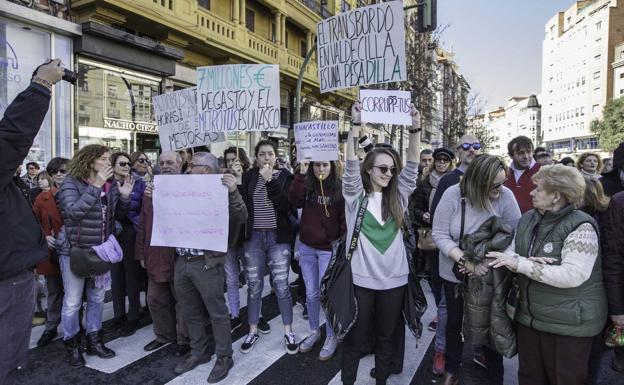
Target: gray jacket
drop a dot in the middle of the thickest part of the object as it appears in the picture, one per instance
(86, 223)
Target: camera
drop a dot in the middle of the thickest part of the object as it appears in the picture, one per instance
(70, 76)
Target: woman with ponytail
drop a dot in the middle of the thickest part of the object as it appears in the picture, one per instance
(317, 190)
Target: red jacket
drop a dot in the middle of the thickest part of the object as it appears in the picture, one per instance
(316, 229)
(158, 260)
(522, 189)
(49, 217)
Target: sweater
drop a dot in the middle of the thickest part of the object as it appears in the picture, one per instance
(449, 179)
(522, 186)
(379, 261)
(316, 229)
(447, 222)
(23, 243)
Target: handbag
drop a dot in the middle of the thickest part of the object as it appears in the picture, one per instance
(614, 337)
(425, 239)
(414, 301)
(84, 261)
(337, 292)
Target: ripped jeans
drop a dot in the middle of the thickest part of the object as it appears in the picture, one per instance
(259, 249)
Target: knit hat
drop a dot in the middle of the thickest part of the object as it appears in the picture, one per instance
(445, 152)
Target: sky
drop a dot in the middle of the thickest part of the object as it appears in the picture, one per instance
(498, 44)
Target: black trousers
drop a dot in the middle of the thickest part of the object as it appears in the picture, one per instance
(379, 310)
(17, 305)
(126, 278)
(454, 344)
(435, 281)
(551, 359)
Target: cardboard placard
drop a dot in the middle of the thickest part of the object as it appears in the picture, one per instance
(238, 97)
(384, 106)
(362, 46)
(317, 141)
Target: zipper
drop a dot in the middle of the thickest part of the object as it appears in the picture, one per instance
(533, 240)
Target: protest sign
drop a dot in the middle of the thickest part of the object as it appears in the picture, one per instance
(383, 106)
(190, 211)
(238, 97)
(176, 116)
(362, 46)
(317, 140)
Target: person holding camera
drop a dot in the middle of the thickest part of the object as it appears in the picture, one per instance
(24, 244)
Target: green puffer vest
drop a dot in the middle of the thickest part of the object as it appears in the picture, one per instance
(578, 312)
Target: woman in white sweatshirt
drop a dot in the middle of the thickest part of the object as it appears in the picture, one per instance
(379, 263)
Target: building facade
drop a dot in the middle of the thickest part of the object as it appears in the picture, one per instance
(577, 78)
(29, 35)
(618, 71)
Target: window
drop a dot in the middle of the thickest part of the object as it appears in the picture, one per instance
(597, 57)
(112, 90)
(304, 48)
(204, 4)
(286, 38)
(250, 18)
(595, 107)
(599, 26)
(273, 32)
(582, 111)
(596, 75)
(344, 6)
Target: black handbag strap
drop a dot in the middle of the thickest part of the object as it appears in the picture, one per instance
(463, 218)
(357, 228)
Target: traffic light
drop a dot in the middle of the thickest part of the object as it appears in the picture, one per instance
(426, 18)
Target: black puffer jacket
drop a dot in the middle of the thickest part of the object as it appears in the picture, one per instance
(81, 208)
(485, 297)
(419, 202)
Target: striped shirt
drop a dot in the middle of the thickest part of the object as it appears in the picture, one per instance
(265, 217)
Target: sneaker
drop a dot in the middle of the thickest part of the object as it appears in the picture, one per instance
(479, 359)
(439, 363)
(433, 325)
(263, 326)
(291, 343)
(329, 348)
(249, 342)
(309, 342)
(304, 314)
(236, 323)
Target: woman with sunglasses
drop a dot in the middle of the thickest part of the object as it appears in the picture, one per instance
(421, 203)
(49, 217)
(479, 195)
(141, 166)
(126, 276)
(379, 263)
(317, 190)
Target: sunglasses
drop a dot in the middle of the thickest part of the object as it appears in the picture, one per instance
(60, 171)
(143, 160)
(466, 146)
(443, 160)
(385, 169)
(123, 164)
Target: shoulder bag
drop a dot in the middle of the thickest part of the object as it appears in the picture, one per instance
(84, 261)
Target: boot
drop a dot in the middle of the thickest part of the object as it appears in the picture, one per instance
(74, 355)
(96, 347)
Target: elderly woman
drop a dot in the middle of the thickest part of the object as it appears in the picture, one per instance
(562, 303)
(589, 164)
(463, 209)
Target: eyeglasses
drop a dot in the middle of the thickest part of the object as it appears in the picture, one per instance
(466, 146)
(198, 165)
(60, 171)
(123, 164)
(143, 160)
(385, 169)
(442, 160)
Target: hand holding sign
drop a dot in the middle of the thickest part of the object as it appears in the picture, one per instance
(415, 114)
(356, 113)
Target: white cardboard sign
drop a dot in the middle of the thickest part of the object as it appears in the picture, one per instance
(190, 211)
(362, 46)
(238, 97)
(383, 106)
(176, 116)
(317, 140)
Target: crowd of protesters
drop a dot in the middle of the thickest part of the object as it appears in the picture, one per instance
(526, 258)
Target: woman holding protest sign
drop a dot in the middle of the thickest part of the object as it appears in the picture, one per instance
(317, 190)
(268, 236)
(379, 263)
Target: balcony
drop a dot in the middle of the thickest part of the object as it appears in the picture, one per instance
(215, 27)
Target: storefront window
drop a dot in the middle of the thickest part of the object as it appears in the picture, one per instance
(115, 108)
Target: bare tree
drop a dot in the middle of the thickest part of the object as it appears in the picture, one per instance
(476, 120)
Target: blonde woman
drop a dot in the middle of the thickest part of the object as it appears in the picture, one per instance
(479, 195)
(562, 298)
